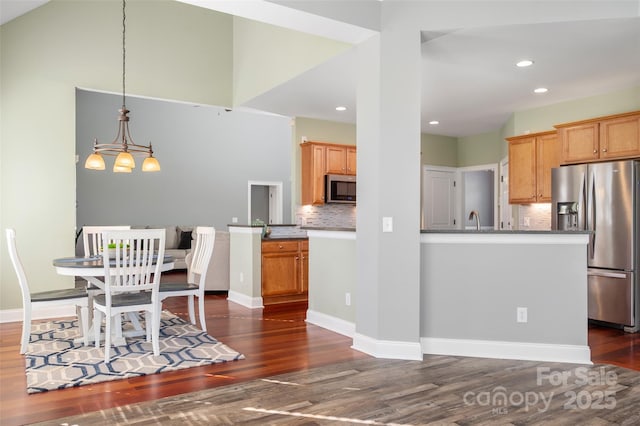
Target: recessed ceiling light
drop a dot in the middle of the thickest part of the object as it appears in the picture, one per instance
(541, 90)
(434, 122)
(524, 63)
(341, 108)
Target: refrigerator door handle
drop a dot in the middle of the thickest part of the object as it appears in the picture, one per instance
(582, 202)
(606, 274)
(593, 214)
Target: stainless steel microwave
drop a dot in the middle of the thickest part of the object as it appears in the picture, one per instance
(340, 189)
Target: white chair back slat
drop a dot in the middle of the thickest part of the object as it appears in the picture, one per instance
(92, 238)
(134, 264)
(205, 242)
(17, 265)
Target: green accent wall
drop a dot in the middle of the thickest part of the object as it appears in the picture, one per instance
(480, 149)
(45, 55)
(265, 56)
(436, 150)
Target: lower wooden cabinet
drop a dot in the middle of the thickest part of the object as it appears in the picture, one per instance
(285, 271)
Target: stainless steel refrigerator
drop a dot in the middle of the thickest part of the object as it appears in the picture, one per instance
(603, 198)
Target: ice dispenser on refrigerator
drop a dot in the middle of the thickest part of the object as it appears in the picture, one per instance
(567, 216)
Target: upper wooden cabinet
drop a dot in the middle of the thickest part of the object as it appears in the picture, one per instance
(531, 158)
(340, 159)
(313, 166)
(600, 139)
(319, 159)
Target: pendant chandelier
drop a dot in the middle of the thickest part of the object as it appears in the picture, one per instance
(122, 146)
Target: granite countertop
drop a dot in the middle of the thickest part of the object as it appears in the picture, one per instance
(327, 228)
(246, 225)
(285, 237)
(498, 231)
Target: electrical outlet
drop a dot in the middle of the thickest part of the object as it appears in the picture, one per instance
(234, 220)
(521, 314)
(241, 277)
(347, 299)
(527, 221)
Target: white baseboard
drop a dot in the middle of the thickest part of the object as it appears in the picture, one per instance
(15, 315)
(387, 348)
(507, 350)
(334, 324)
(244, 300)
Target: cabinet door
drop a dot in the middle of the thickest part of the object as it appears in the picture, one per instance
(313, 167)
(304, 266)
(336, 160)
(579, 143)
(351, 161)
(548, 157)
(280, 274)
(522, 171)
(620, 137)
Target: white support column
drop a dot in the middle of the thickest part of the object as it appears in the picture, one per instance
(388, 289)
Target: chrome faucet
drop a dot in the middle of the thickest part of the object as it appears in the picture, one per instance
(477, 216)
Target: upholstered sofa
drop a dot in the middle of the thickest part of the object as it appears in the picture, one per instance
(177, 243)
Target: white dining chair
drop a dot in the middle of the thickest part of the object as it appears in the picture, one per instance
(196, 275)
(132, 281)
(65, 297)
(92, 237)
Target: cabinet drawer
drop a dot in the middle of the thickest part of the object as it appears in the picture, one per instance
(279, 246)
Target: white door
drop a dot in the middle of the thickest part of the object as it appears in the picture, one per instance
(438, 199)
(506, 213)
(265, 201)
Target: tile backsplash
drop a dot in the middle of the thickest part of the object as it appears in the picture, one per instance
(538, 217)
(327, 215)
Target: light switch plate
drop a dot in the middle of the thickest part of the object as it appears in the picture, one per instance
(387, 224)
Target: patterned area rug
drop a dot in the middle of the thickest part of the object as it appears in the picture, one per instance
(54, 361)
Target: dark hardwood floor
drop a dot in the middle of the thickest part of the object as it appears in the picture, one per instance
(275, 340)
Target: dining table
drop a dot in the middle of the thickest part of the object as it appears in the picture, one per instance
(91, 269)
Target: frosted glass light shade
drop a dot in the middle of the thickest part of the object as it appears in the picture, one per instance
(150, 164)
(94, 162)
(120, 169)
(125, 159)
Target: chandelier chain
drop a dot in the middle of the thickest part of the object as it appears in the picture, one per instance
(124, 29)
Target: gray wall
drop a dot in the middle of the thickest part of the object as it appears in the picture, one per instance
(471, 291)
(207, 156)
(332, 274)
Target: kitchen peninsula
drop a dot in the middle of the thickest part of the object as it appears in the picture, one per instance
(267, 269)
(496, 294)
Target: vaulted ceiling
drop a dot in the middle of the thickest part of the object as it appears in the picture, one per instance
(470, 82)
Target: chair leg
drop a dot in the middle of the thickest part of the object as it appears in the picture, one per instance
(84, 322)
(97, 323)
(26, 331)
(192, 313)
(107, 337)
(203, 322)
(154, 317)
(148, 325)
